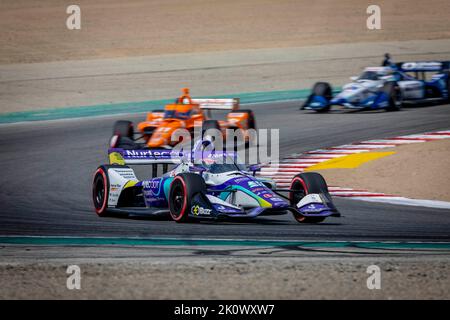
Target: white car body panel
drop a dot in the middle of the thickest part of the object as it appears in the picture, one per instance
(118, 178)
(412, 89)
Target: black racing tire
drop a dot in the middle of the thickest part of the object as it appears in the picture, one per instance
(192, 133)
(325, 90)
(210, 124)
(100, 190)
(303, 184)
(392, 89)
(251, 124)
(124, 128)
(123, 135)
(124, 143)
(182, 190)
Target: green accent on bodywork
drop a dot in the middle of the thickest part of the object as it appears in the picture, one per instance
(225, 193)
(67, 241)
(166, 186)
(141, 106)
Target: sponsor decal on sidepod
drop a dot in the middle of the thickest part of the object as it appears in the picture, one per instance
(197, 210)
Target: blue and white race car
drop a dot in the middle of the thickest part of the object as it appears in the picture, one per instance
(386, 87)
(204, 184)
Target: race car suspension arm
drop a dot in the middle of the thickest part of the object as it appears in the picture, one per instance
(277, 191)
(222, 191)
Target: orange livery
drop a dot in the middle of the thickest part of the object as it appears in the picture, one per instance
(185, 113)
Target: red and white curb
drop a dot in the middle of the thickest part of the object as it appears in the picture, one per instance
(283, 172)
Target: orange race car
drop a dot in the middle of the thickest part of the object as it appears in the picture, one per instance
(187, 113)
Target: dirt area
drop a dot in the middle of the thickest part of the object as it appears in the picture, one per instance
(257, 279)
(35, 31)
(417, 171)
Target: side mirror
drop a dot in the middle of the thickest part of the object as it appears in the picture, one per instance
(254, 167)
(353, 78)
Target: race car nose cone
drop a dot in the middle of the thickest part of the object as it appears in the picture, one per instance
(276, 202)
(279, 204)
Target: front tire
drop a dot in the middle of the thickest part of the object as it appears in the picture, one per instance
(303, 184)
(182, 190)
(100, 191)
(322, 89)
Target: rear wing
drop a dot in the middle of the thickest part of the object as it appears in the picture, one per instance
(165, 156)
(162, 156)
(423, 66)
(143, 156)
(217, 104)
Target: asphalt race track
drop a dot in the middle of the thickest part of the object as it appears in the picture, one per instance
(47, 169)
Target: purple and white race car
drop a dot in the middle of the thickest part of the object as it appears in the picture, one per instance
(204, 184)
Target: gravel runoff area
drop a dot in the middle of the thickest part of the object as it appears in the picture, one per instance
(37, 86)
(259, 274)
(35, 31)
(418, 170)
(145, 50)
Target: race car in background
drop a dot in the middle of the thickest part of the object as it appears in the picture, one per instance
(203, 184)
(424, 81)
(386, 87)
(186, 113)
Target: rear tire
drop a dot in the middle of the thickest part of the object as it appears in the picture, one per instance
(123, 135)
(251, 124)
(124, 128)
(182, 190)
(210, 124)
(392, 89)
(306, 183)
